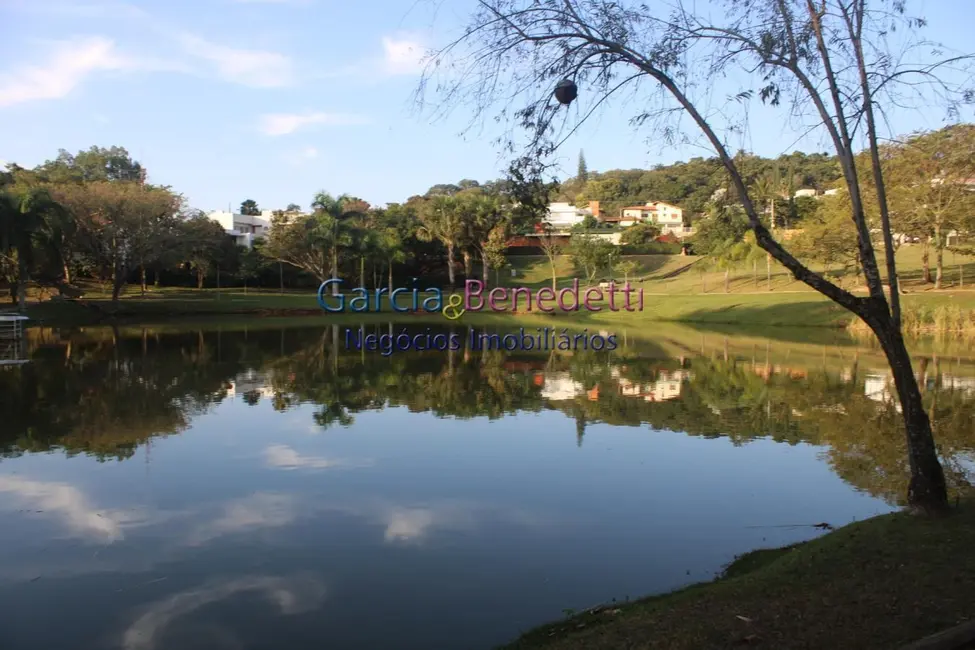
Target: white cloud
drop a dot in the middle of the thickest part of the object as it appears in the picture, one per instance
(68, 65)
(293, 595)
(70, 505)
(284, 123)
(409, 524)
(284, 457)
(403, 55)
(259, 510)
(257, 68)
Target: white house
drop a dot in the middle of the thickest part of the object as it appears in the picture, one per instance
(804, 192)
(562, 216)
(667, 216)
(245, 228)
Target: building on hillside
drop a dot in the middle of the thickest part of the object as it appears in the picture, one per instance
(668, 217)
(244, 228)
(805, 192)
(563, 216)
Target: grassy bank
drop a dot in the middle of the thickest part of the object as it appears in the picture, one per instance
(879, 584)
(741, 310)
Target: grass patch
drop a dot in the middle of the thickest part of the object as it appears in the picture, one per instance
(875, 584)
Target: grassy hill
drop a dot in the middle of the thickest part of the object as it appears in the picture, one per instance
(682, 275)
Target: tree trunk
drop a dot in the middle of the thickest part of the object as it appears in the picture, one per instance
(281, 276)
(755, 272)
(391, 277)
(142, 278)
(727, 280)
(118, 279)
(554, 275)
(485, 270)
(925, 263)
(67, 273)
(927, 491)
(939, 250)
(468, 265)
(335, 269)
(450, 264)
(23, 276)
(199, 278)
(768, 270)
(362, 271)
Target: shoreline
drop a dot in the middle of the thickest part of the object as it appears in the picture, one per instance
(838, 590)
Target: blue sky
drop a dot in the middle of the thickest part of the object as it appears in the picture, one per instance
(275, 99)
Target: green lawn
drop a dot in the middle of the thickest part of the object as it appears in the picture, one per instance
(680, 275)
(875, 584)
(674, 288)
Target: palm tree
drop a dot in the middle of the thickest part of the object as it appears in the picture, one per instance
(441, 221)
(333, 209)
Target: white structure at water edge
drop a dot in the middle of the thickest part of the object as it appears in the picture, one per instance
(244, 228)
(11, 339)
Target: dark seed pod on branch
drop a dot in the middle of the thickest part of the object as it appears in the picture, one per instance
(566, 91)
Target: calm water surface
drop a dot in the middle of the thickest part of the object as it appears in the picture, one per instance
(269, 489)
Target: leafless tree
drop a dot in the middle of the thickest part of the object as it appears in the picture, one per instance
(832, 66)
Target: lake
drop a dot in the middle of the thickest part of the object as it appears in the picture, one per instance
(261, 486)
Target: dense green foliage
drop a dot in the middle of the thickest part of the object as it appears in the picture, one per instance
(93, 215)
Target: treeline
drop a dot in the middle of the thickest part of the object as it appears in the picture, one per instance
(929, 180)
(695, 184)
(93, 215)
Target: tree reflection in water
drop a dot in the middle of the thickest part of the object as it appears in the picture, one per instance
(107, 391)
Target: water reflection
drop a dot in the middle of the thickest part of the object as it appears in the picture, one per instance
(205, 486)
(290, 596)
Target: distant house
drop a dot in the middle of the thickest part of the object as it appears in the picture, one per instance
(563, 216)
(244, 228)
(805, 192)
(668, 217)
(832, 192)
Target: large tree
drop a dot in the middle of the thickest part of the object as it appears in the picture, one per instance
(125, 225)
(95, 164)
(440, 220)
(201, 243)
(930, 174)
(306, 242)
(829, 61)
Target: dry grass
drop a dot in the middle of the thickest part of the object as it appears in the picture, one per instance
(920, 320)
